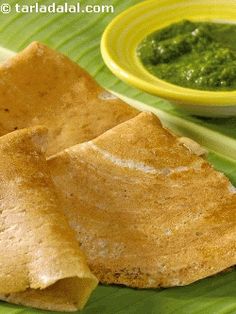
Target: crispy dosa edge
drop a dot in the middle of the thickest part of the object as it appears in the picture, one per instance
(98, 178)
(41, 264)
(40, 86)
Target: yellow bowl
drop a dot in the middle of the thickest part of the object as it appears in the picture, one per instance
(126, 31)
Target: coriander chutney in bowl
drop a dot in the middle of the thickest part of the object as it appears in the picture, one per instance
(198, 55)
(182, 51)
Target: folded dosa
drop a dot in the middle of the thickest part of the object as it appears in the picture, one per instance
(41, 264)
(147, 211)
(40, 86)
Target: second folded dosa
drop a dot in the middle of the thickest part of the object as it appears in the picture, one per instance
(147, 211)
(40, 86)
(41, 264)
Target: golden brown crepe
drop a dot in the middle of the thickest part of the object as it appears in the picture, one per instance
(147, 211)
(40, 86)
(41, 264)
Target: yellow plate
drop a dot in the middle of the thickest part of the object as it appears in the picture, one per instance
(126, 31)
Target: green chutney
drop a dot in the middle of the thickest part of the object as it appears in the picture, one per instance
(198, 55)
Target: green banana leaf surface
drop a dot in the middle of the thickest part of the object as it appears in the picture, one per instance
(78, 36)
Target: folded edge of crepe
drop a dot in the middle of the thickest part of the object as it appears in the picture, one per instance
(41, 263)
